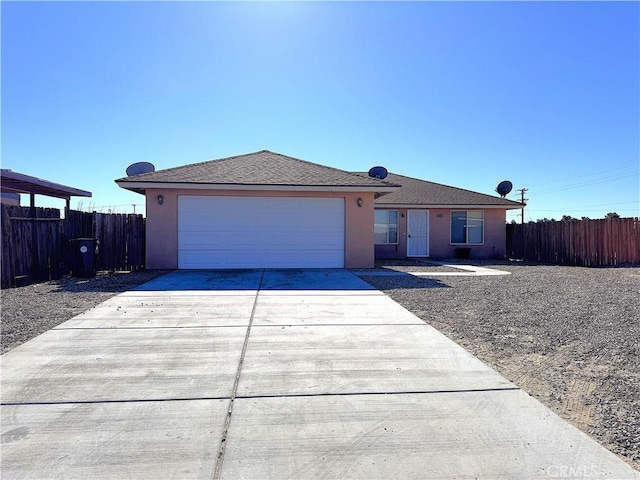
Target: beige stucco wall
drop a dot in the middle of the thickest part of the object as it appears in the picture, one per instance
(439, 236)
(398, 250)
(494, 234)
(162, 224)
(359, 251)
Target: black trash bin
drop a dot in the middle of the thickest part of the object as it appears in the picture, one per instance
(83, 256)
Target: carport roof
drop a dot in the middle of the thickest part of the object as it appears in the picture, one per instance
(258, 170)
(15, 182)
(421, 193)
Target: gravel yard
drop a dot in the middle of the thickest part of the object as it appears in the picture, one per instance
(29, 311)
(570, 336)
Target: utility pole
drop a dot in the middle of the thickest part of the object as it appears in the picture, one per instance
(134, 208)
(522, 200)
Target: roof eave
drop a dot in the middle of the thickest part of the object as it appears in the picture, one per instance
(140, 187)
(446, 206)
(15, 182)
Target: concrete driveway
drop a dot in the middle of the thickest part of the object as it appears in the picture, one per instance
(272, 374)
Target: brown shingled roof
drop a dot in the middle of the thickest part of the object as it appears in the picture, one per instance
(263, 168)
(423, 193)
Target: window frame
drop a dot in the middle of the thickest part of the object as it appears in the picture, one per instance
(397, 242)
(466, 227)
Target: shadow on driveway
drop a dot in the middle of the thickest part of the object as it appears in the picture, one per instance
(254, 279)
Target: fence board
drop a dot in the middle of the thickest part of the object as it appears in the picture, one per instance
(7, 239)
(603, 242)
(38, 247)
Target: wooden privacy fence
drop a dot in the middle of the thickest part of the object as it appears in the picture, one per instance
(20, 233)
(592, 243)
(37, 248)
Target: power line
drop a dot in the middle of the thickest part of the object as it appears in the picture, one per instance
(111, 206)
(607, 172)
(597, 205)
(607, 204)
(585, 184)
(594, 181)
(580, 210)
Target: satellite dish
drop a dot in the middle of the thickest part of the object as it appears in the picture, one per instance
(378, 172)
(140, 167)
(504, 188)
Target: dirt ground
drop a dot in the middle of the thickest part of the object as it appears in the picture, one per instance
(569, 336)
(29, 311)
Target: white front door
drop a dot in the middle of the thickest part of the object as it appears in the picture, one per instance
(417, 233)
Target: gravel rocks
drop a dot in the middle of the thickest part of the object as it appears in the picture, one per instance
(569, 336)
(34, 309)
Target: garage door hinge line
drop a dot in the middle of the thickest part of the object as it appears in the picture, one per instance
(227, 422)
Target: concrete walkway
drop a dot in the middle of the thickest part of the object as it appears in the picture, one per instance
(464, 271)
(272, 374)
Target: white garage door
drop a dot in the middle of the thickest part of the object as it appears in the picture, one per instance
(260, 232)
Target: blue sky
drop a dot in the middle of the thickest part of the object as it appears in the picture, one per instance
(544, 94)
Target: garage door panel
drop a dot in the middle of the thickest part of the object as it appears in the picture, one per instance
(208, 259)
(327, 241)
(234, 241)
(242, 260)
(216, 223)
(266, 242)
(325, 260)
(200, 239)
(253, 232)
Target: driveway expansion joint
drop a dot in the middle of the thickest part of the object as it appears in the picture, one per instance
(272, 325)
(352, 394)
(151, 328)
(223, 438)
(99, 402)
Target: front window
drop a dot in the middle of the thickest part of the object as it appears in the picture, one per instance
(386, 227)
(467, 226)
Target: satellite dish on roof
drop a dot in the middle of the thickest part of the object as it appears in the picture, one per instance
(378, 172)
(140, 167)
(504, 188)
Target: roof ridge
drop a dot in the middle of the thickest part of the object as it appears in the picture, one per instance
(326, 167)
(223, 159)
(262, 167)
(455, 188)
